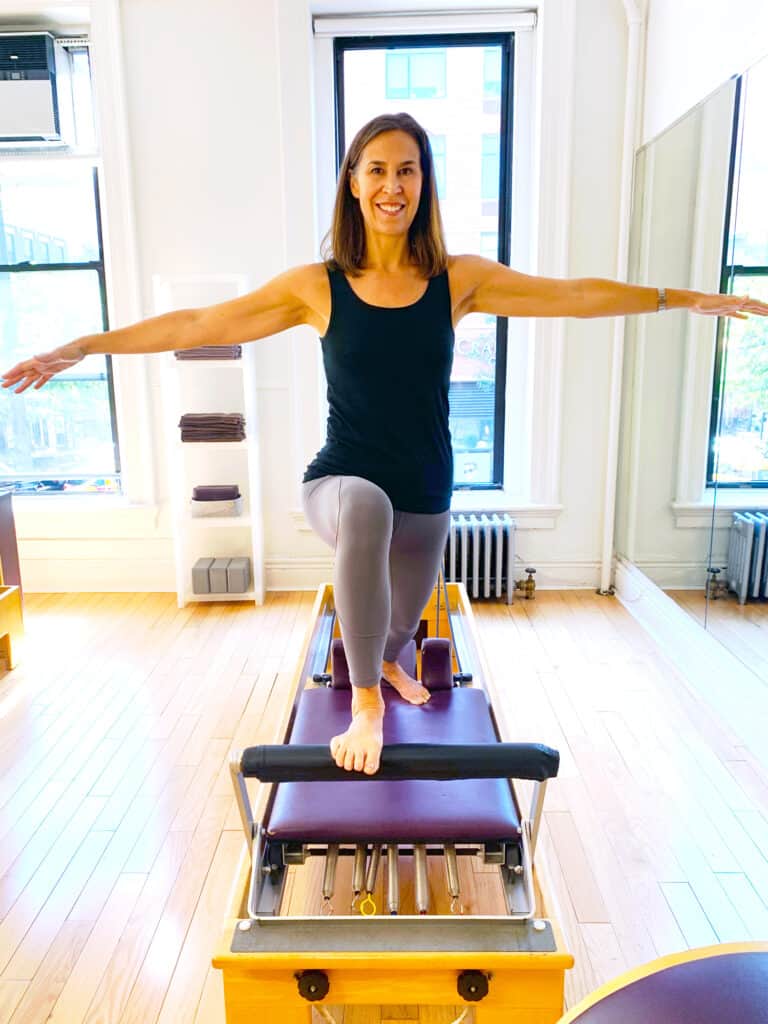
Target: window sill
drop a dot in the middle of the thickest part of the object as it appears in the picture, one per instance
(91, 516)
(526, 515)
(697, 515)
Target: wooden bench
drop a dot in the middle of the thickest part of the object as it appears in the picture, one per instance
(11, 622)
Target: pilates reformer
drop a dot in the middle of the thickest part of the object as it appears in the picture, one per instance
(444, 793)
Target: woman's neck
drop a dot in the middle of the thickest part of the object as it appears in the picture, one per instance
(387, 253)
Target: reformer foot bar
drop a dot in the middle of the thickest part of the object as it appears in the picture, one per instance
(445, 791)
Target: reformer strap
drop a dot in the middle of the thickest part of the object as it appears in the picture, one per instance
(310, 763)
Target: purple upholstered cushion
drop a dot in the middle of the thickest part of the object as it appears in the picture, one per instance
(731, 988)
(466, 810)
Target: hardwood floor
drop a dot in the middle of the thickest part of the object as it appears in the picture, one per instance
(119, 836)
(742, 628)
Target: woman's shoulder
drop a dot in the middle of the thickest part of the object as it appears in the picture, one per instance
(309, 284)
(465, 272)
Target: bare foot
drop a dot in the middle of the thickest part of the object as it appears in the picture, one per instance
(359, 748)
(409, 689)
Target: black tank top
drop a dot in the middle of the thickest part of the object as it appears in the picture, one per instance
(388, 373)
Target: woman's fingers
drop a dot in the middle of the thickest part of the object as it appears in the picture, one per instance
(27, 381)
(40, 369)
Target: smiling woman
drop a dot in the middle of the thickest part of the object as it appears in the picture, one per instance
(385, 302)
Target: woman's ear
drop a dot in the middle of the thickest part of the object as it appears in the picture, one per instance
(353, 186)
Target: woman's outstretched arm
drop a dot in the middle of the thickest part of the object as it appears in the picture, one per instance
(490, 287)
(286, 301)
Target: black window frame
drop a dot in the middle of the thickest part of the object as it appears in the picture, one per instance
(728, 273)
(98, 265)
(506, 40)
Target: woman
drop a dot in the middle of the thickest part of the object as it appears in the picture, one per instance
(385, 303)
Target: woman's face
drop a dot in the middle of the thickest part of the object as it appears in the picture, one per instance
(387, 182)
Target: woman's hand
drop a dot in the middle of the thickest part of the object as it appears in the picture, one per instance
(39, 369)
(728, 305)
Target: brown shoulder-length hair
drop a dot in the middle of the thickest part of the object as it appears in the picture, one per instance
(344, 246)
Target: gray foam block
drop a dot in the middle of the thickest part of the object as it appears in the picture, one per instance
(217, 574)
(200, 582)
(238, 575)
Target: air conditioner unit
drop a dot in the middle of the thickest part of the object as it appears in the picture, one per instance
(29, 110)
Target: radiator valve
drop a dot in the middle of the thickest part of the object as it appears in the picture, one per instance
(715, 586)
(528, 586)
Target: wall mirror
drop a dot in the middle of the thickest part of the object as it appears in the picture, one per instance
(693, 473)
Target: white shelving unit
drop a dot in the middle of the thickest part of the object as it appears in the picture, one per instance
(208, 386)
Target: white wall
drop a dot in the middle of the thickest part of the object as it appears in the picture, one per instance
(692, 47)
(220, 121)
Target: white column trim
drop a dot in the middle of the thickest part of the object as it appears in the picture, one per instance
(638, 362)
(632, 119)
(554, 124)
(132, 393)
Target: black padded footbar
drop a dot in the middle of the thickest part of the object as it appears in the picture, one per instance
(313, 763)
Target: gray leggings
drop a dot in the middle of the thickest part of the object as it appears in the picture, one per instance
(386, 566)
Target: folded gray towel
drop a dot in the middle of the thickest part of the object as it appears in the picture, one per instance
(210, 352)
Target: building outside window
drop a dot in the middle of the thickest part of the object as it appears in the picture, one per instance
(415, 74)
(489, 188)
(52, 290)
(491, 77)
(452, 104)
(437, 142)
(739, 429)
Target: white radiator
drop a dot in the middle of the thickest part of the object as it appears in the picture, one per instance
(747, 569)
(480, 553)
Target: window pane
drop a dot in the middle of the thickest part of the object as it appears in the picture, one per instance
(53, 208)
(397, 76)
(491, 167)
(751, 242)
(65, 429)
(492, 71)
(471, 134)
(437, 142)
(489, 245)
(742, 447)
(427, 74)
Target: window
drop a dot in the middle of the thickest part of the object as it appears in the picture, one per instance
(476, 210)
(489, 188)
(492, 73)
(52, 290)
(415, 74)
(437, 142)
(739, 427)
(489, 244)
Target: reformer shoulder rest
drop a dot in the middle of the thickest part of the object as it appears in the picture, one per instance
(313, 763)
